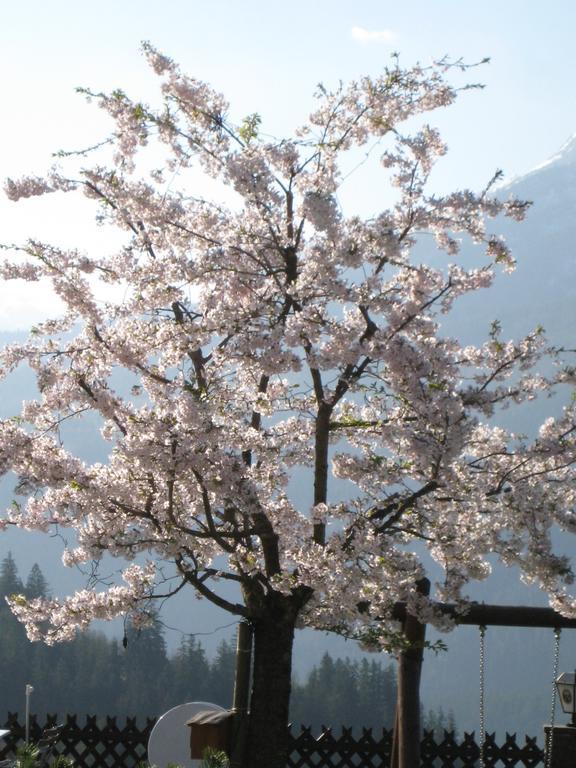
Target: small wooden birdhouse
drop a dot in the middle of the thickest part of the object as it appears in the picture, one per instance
(210, 728)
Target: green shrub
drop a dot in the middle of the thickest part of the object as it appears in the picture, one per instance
(214, 758)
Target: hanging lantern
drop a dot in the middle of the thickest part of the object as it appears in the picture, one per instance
(566, 685)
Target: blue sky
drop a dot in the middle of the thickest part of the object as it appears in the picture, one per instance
(267, 57)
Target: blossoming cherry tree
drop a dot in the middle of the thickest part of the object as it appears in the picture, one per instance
(270, 338)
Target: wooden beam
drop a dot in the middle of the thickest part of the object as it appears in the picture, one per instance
(407, 731)
(481, 614)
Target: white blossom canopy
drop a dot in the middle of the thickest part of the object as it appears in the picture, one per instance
(274, 334)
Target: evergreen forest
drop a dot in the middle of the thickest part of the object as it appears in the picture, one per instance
(96, 675)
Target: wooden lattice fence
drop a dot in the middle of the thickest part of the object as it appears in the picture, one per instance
(370, 750)
(343, 751)
(96, 743)
(104, 743)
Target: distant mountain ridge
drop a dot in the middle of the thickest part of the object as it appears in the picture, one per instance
(566, 155)
(542, 290)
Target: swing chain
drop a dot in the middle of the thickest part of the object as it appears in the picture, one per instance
(550, 734)
(482, 629)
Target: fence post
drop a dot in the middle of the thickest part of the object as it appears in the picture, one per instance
(241, 693)
(29, 691)
(407, 731)
(563, 746)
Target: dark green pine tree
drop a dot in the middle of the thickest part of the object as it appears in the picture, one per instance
(14, 645)
(10, 581)
(307, 701)
(189, 674)
(377, 694)
(344, 692)
(36, 584)
(144, 673)
(440, 723)
(221, 679)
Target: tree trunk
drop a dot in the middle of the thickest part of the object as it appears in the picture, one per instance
(271, 683)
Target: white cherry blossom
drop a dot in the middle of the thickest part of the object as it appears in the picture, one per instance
(280, 336)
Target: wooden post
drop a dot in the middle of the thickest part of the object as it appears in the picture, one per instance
(407, 732)
(243, 664)
(563, 745)
(241, 693)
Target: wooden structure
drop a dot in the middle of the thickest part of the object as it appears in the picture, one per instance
(406, 742)
(563, 739)
(406, 751)
(97, 742)
(210, 729)
(483, 615)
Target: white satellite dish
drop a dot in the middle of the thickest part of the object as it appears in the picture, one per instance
(169, 740)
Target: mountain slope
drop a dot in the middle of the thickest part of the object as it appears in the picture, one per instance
(541, 291)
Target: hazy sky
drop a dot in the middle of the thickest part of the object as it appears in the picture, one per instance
(267, 57)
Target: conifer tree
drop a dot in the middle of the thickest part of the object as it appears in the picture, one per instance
(222, 674)
(190, 673)
(10, 581)
(36, 584)
(13, 642)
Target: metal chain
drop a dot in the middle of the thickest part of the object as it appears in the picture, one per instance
(482, 694)
(549, 736)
